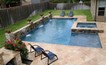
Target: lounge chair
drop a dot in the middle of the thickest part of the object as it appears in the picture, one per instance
(51, 56)
(38, 50)
(71, 14)
(9, 64)
(62, 13)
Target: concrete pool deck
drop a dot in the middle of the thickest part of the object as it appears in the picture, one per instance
(75, 55)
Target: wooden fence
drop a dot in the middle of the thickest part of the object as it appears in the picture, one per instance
(14, 14)
(69, 6)
(11, 15)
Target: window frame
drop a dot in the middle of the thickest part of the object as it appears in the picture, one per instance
(101, 12)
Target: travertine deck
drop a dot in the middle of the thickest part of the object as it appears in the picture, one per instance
(75, 55)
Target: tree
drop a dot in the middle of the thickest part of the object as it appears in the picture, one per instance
(9, 3)
(67, 1)
(2, 3)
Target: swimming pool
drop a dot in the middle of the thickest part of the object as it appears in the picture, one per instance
(58, 31)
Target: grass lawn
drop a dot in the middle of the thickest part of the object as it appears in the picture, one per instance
(22, 23)
(76, 12)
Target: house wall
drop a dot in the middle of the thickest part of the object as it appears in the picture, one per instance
(93, 7)
(93, 3)
(101, 18)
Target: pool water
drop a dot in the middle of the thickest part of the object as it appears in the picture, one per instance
(86, 25)
(58, 31)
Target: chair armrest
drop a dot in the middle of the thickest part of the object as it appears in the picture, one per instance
(33, 45)
(36, 45)
(49, 51)
(46, 51)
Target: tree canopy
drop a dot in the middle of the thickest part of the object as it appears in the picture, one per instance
(67, 1)
(11, 1)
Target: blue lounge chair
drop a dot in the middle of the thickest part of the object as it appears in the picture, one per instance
(9, 64)
(38, 50)
(62, 13)
(51, 56)
(71, 14)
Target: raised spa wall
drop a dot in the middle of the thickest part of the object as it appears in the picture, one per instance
(29, 27)
(76, 29)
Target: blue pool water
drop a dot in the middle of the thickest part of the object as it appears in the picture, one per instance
(86, 25)
(58, 31)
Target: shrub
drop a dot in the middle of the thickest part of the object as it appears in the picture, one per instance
(17, 45)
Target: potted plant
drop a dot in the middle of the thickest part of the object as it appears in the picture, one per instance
(17, 45)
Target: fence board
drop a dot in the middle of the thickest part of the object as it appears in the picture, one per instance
(14, 14)
(67, 6)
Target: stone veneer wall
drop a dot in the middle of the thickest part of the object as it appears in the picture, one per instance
(10, 56)
(86, 30)
(1, 59)
(17, 60)
(75, 29)
(29, 27)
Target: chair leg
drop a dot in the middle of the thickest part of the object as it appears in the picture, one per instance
(53, 60)
(30, 48)
(37, 54)
(42, 57)
(48, 62)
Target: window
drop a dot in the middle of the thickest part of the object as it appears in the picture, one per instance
(101, 11)
(102, 3)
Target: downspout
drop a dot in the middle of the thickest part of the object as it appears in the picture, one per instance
(95, 10)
